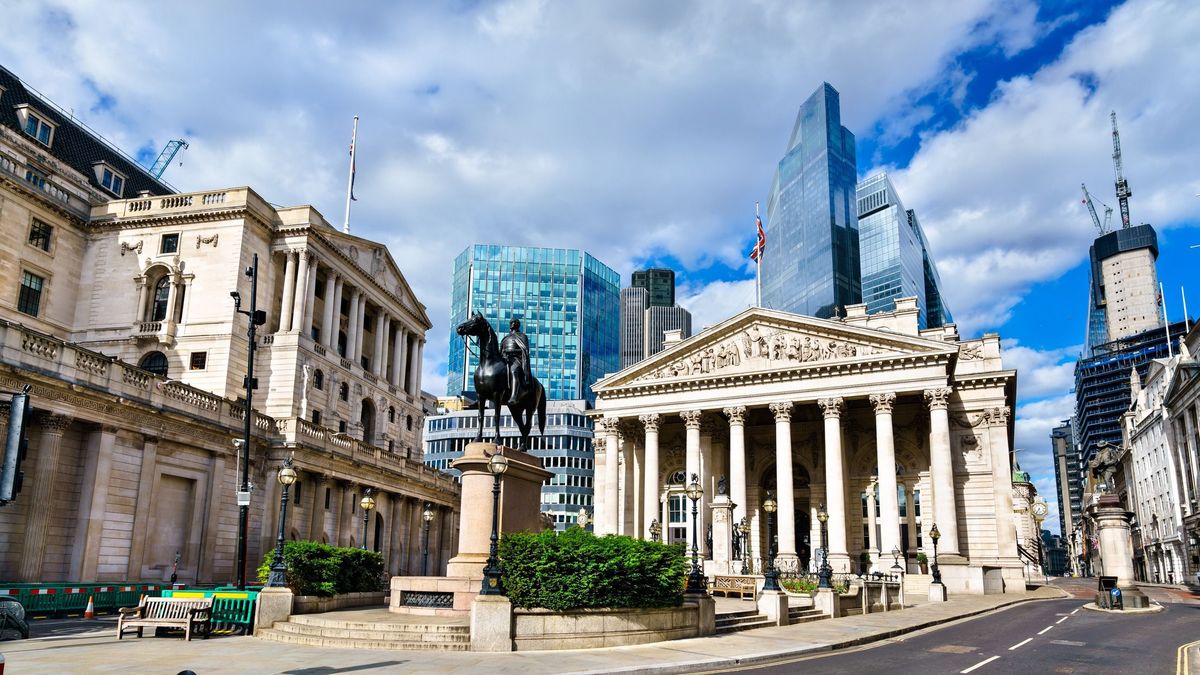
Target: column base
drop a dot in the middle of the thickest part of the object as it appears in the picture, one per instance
(937, 592)
(491, 624)
(774, 605)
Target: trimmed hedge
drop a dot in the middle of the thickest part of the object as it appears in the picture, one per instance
(320, 569)
(578, 570)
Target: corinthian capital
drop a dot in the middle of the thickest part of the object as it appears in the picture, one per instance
(782, 411)
(691, 418)
(938, 398)
(883, 402)
(650, 422)
(832, 407)
(52, 423)
(736, 415)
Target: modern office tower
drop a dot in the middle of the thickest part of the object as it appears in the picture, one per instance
(1122, 285)
(565, 449)
(659, 320)
(567, 302)
(1067, 477)
(894, 254)
(811, 264)
(634, 302)
(659, 282)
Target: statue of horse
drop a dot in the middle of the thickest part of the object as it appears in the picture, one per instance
(492, 383)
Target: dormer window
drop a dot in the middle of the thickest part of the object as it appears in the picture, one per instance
(36, 125)
(109, 179)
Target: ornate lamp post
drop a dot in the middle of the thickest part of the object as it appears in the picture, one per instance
(492, 581)
(896, 569)
(825, 572)
(367, 503)
(744, 528)
(655, 530)
(278, 576)
(583, 518)
(771, 578)
(427, 516)
(695, 581)
(934, 535)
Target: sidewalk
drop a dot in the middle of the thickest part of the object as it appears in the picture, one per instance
(92, 653)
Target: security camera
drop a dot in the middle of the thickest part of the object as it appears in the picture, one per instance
(235, 295)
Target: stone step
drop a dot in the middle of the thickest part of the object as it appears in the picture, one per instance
(411, 626)
(758, 622)
(727, 620)
(739, 613)
(804, 615)
(318, 641)
(362, 634)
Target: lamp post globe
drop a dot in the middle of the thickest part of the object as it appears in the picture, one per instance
(367, 503)
(771, 578)
(825, 572)
(695, 582)
(427, 517)
(278, 576)
(744, 528)
(934, 535)
(492, 576)
(656, 530)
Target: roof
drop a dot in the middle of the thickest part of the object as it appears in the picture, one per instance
(74, 143)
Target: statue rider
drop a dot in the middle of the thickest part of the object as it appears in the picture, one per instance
(515, 348)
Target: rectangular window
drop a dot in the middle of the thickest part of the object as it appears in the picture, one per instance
(39, 234)
(296, 493)
(341, 426)
(199, 360)
(316, 417)
(328, 492)
(38, 128)
(111, 181)
(29, 300)
(169, 243)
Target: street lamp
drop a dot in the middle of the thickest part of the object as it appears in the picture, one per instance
(427, 516)
(695, 581)
(656, 530)
(896, 569)
(583, 519)
(934, 535)
(825, 572)
(492, 585)
(771, 578)
(257, 318)
(278, 576)
(367, 503)
(744, 528)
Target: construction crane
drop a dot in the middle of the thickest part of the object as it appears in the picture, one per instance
(164, 158)
(1123, 193)
(1087, 199)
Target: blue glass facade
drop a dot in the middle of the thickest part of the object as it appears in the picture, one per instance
(811, 265)
(568, 303)
(894, 254)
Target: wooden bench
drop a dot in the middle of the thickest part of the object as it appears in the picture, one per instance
(734, 585)
(167, 613)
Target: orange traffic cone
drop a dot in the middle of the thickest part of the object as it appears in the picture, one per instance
(90, 612)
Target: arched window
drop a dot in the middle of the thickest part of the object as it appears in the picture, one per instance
(155, 362)
(344, 392)
(367, 419)
(162, 294)
(319, 379)
(391, 414)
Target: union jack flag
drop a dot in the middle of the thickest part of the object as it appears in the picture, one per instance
(761, 244)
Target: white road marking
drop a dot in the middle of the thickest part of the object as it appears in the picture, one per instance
(1062, 619)
(1020, 644)
(1076, 610)
(1044, 629)
(979, 665)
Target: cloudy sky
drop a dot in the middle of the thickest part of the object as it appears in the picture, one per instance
(644, 132)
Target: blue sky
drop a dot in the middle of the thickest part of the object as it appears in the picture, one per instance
(644, 133)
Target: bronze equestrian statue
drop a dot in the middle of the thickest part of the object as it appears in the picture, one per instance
(503, 377)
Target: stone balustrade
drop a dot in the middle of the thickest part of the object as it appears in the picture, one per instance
(144, 207)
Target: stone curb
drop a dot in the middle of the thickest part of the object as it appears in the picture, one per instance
(723, 662)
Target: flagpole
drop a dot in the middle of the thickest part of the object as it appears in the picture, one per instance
(1187, 321)
(1166, 321)
(757, 264)
(350, 178)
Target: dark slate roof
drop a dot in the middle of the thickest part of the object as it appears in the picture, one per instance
(73, 143)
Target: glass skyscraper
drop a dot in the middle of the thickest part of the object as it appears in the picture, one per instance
(811, 265)
(659, 282)
(894, 254)
(568, 303)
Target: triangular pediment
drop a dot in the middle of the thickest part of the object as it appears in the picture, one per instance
(761, 341)
(375, 259)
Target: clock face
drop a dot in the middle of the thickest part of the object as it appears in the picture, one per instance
(1039, 509)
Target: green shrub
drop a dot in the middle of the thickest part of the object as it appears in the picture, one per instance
(578, 570)
(922, 558)
(320, 569)
(806, 586)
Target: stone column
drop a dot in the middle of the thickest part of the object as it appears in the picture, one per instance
(93, 500)
(599, 485)
(172, 296)
(1006, 530)
(397, 363)
(835, 484)
(300, 303)
(652, 489)
(417, 367)
(612, 476)
(335, 324)
(737, 461)
(377, 355)
(352, 326)
(41, 495)
(385, 358)
(872, 545)
(327, 315)
(414, 366)
(140, 315)
(289, 291)
(691, 420)
(316, 514)
(786, 517)
(310, 304)
(362, 328)
(397, 533)
(941, 470)
(885, 457)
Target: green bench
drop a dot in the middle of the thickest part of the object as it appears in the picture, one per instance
(231, 609)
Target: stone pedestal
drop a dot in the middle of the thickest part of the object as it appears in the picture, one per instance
(274, 604)
(774, 605)
(722, 534)
(937, 592)
(707, 611)
(828, 601)
(491, 624)
(1116, 547)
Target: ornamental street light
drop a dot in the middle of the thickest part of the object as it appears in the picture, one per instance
(583, 519)
(655, 530)
(744, 528)
(934, 535)
(896, 569)
(825, 572)
(257, 318)
(492, 574)
(367, 503)
(771, 578)
(278, 576)
(427, 516)
(695, 581)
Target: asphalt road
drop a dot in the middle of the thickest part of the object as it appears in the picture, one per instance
(1055, 636)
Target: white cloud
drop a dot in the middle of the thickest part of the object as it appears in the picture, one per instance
(717, 301)
(1040, 373)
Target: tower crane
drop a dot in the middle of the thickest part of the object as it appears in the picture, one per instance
(1123, 193)
(1087, 199)
(164, 158)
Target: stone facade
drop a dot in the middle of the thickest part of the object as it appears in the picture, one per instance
(137, 357)
(887, 427)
